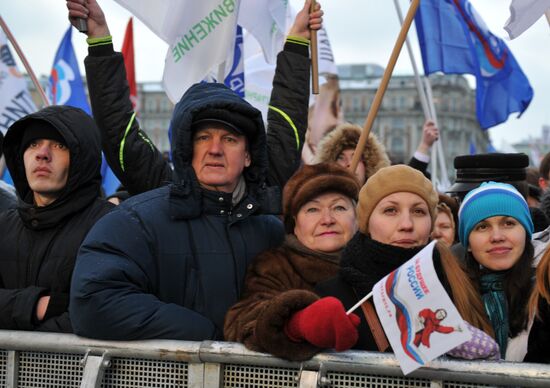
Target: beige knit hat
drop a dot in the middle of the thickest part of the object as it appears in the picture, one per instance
(389, 180)
(311, 181)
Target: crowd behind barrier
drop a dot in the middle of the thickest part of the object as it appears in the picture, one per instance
(32, 359)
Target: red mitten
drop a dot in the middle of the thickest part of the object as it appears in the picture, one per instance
(324, 324)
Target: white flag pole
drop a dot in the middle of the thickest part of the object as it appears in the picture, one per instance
(428, 115)
(359, 303)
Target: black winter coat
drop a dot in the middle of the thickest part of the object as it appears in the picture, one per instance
(538, 345)
(170, 262)
(364, 262)
(38, 245)
(140, 166)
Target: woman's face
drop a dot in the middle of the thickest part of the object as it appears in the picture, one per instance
(497, 242)
(344, 160)
(401, 219)
(443, 229)
(326, 223)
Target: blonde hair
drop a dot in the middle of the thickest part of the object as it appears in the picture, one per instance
(465, 296)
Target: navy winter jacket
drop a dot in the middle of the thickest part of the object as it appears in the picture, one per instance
(170, 262)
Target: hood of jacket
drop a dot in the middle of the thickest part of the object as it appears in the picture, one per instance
(213, 100)
(346, 136)
(84, 179)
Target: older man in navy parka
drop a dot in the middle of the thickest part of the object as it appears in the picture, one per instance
(170, 262)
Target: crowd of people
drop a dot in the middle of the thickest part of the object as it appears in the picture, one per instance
(244, 236)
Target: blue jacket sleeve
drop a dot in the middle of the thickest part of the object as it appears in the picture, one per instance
(113, 288)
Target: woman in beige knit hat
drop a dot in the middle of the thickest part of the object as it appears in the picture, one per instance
(395, 214)
(319, 217)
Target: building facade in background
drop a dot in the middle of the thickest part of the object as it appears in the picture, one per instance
(398, 124)
(399, 121)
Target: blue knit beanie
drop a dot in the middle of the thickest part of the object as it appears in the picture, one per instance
(489, 200)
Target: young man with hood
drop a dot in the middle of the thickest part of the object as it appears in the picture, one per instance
(54, 158)
(170, 262)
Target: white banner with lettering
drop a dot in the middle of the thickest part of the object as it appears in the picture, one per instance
(418, 317)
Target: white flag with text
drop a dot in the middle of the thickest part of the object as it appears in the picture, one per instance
(418, 317)
(200, 34)
(15, 99)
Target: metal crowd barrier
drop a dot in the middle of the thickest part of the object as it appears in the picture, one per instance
(31, 359)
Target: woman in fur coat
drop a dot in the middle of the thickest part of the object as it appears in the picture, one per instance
(319, 217)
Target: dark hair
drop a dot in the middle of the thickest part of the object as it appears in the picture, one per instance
(544, 167)
(518, 285)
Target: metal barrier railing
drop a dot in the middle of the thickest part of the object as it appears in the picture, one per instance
(32, 359)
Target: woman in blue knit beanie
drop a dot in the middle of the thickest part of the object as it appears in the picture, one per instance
(496, 227)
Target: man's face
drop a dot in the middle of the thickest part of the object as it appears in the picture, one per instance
(219, 158)
(47, 169)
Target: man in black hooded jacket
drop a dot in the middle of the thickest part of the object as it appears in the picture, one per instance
(54, 158)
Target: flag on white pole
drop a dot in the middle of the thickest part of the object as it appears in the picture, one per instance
(417, 315)
(15, 99)
(523, 14)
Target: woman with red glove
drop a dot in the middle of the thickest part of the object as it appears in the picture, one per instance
(278, 310)
(395, 215)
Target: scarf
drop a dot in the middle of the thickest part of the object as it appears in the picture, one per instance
(496, 306)
(293, 243)
(365, 261)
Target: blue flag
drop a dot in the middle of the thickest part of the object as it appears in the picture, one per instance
(455, 40)
(235, 78)
(66, 88)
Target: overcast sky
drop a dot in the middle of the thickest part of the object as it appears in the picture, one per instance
(361, 31)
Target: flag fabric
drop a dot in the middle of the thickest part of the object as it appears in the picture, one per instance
(201, 35)
(326, 57)
(233, 71)
(454, 39)
(417, 315)
(267, 21)
(66, 88)
(65, 83)
(128, 55)
(15, 99)
(523, 14)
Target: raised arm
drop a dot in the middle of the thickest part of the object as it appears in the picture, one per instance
(288, 106)
(134, 159)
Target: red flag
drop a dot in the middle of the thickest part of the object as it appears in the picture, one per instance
(128, 54)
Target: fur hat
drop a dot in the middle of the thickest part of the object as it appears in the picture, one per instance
(389, 180)
(346, 136)
(311, 181)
